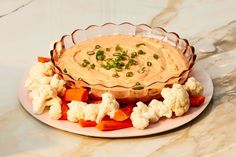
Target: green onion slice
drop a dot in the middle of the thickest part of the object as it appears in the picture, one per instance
(140, 44)
(90, 52)
(129, 74)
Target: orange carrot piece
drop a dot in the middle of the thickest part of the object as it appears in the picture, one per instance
(64, 109)
(196, 101)
(123, 113)
(87, 123)
(43, 59)
(77, 94)
(108, 125)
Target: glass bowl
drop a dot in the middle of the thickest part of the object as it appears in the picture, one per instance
(125, 94)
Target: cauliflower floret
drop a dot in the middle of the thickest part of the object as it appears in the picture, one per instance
(142, 115)
(45, 87)
(141, 107)
(151, 115)
(177, 97)
(160, 108)
(58, 84)
(40, 96)
(75, 111)
(91, 112)
(34, 82)
(194, 87)
(137, 118)
(108, 106)
(42, 69)
(138, 121)
(55, 107)
(40, 73)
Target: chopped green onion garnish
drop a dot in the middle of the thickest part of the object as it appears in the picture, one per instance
(133, 62)
(155, 56)
(115, 75)
(120, 56)
(129, 74)
(65, 71)
(141, 52)
(127, 66)
(113, 63)
(84, 64)
(149, 63)
(125, 52)
(116, 54)
(133, 54)
(100, 55)
(142, 70)
(118, 70)
(137, 88)
(119, 65)
(107, 67)
(140, 44)
(109, 59)
(90, 52)
(118, 48)
(86, 61)
(97, 47)
(92, 66)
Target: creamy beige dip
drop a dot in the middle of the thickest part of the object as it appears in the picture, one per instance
(168, 61)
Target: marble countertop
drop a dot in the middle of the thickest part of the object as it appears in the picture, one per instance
(29, 27)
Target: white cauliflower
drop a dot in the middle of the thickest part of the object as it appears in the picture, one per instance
(58, 84)
(40, 73)
(33, 82)
(160, 108)
(45, 69)
(45, 87)
(151, 115)
(40, 96)
(55, 107)
(76, 111)
(139, 121)
(194, 87)
(91, 112)
(108, 106)
(176, 97)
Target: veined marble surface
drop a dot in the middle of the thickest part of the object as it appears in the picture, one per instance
(29, 27)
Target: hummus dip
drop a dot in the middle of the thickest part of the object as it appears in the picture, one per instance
(122, 60)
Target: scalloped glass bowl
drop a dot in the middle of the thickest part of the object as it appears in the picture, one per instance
(122, 93)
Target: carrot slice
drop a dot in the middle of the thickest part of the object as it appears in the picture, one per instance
(77, 94)
(87, 123)
(64, 109)
(123, 113)
(43, 59)
(108, 125)
(196, 101)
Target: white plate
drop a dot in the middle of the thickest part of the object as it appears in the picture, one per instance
(160, 126)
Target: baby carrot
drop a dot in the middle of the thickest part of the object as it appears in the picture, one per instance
(43, 59)
(108, 125)
(197, 101)
(77, 94)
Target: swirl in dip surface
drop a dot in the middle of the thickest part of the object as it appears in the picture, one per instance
(122, 60)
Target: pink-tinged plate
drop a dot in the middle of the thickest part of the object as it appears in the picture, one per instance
(161, 126)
